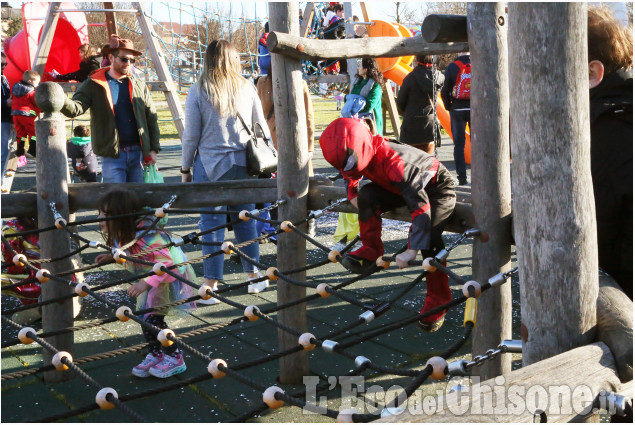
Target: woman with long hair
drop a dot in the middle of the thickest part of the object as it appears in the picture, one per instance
(367, 84)
(214, 145)
(89, 62)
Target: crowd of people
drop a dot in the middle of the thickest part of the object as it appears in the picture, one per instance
(124, 134)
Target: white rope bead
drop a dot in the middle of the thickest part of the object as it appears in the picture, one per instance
(22, 335)
(19, 259)
(212, 368)
(158, 269)
(57, 360)
(60, 223)
(159, 213)
(321, 289)
(250, 313)
(381, 263)
(428, 266)
(101, 400)
(163, 337)
(121, 313)
(227, 247)
(271, 273)
(243, 215)
(116, 255)
(286, 226)
(202, 291)
(477, 288)
(40, 276)
(346, 416)
(333, 256)
(269, 397)
(438, 367)
(80, 289)
(305, 341)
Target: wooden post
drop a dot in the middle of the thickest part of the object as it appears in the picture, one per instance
(307, 18)
(554, 210)
(491, 186)
(350, 33)
(111, 19)
(171, 96)
(46, 39)
(444, 28)
(390, 106)
(293, 185)
(52, 186)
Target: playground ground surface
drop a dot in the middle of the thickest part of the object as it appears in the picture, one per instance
(32, 399)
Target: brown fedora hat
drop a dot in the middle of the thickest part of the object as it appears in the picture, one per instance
(118, 43)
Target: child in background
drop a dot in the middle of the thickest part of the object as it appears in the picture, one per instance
(339, 97)
(24, 111)
(152, 291)
(80, 151)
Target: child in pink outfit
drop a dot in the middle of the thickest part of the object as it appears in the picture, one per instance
(154, 290)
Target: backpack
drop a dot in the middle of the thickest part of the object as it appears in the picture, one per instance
(463, 85)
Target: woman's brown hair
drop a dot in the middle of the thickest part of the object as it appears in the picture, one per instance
(372, 70)
(119, 202)
(89, 51)
(610, 42)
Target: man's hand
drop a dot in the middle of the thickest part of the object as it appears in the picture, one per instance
(138, 288)
(403, 258)
(354, 202)
(153, 158)
(10, 101)
(186, 178)
(103, 258)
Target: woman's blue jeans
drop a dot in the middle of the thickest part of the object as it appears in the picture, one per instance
(244, 230)
(458, 122)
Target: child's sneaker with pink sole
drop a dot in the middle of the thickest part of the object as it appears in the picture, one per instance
(142, 370)
(170, 365)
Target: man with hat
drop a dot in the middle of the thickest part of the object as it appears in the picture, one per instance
(123, 120)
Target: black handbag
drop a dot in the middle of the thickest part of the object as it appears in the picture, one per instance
(262, 157)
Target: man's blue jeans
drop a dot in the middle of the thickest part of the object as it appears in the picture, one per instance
(244, 230)
(128, 168)
(459, 120)
(7, 134)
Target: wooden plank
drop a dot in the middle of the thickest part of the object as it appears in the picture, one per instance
(491, 182)
(293, 185)
(515, 397)
(328, 79)
(152, 86)
(52, 187)
(307, 18)
(46, 39)
(111, 20)
(554, 220)
(369, 47)
(11, 166)
(366, 13)
(389, 104)
(163, 72)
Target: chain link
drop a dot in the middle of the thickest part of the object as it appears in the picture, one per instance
(508, 274)
(489, 355)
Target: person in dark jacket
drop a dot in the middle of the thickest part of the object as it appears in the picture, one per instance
(90, 61)
(400, 175)
(7, 119)
(459, 113)
(611, 97)
(417, 102)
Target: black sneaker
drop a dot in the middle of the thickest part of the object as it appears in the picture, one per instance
(429, 327)
(463, 181)
(358, 265)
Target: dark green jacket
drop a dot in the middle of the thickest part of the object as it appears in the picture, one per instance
(94, 93)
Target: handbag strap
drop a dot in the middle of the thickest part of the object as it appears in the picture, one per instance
(243, 123)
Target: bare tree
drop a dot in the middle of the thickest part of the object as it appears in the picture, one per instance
(404, 13)
(446, 8)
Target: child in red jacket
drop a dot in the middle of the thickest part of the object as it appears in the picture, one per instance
(400, 176)
(24, 111)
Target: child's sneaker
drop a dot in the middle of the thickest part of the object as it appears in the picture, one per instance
(142, 370)
(169, 366)
(257, 287)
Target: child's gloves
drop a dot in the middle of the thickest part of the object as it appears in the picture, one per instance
(54, 74)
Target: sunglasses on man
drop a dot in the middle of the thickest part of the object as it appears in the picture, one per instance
(126, 59)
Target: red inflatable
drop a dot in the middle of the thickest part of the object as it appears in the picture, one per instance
(70, 33)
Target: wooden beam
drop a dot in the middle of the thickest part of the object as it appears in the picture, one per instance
(516, 396)
(329, 79)
(293, 186)
(369, 47)
(46, 39)
(366, 13)
(111, 20)
(444, 28)
(388, 101)
(307, 18)
(52, 187)
(491, 184)
(554, 219)
(163, 72)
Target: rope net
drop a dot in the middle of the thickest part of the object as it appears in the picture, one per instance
(345, 340)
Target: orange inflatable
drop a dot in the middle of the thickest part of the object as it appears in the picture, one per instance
(396, 69)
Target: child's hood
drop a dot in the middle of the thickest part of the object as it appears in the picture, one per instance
(22, 89)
